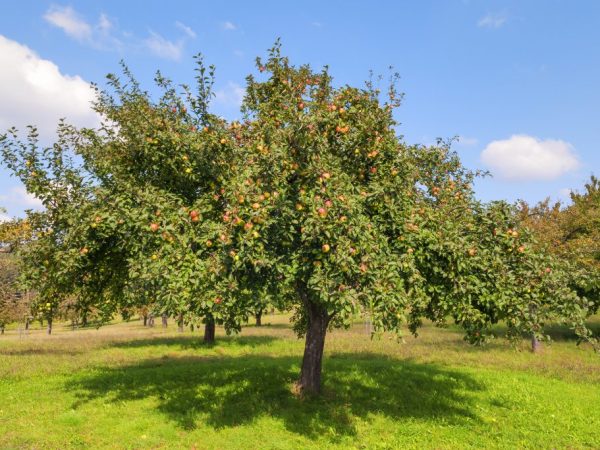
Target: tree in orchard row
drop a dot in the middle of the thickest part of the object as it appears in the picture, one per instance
(572, 234)
(14, 304)
(312, 203)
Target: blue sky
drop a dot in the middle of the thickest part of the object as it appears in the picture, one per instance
(518, 81)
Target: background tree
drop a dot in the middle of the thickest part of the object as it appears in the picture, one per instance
(14, 303)
(312, 200)
(572, 234)
(10, 307)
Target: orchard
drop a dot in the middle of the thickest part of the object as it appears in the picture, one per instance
(311, 203)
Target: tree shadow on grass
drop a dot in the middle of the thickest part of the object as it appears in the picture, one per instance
(231, 391)
(196, 342)
(39, 351)
(558, 332)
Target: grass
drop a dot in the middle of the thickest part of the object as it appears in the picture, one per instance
(127, 386)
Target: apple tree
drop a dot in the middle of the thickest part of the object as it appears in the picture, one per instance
(366, 224)
(311, 202)
(143, 211)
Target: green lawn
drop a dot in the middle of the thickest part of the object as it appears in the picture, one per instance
(126, 386)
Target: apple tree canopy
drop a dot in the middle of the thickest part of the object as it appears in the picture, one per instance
(311, 202)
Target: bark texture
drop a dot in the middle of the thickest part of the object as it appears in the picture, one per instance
(209, 330)
(318, 320)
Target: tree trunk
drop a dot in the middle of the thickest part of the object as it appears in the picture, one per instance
(259, 318)
(310, 375)
(209, 330)
(145, 320)
(180, 323)
(1, 329)
(49, 325)
(165, 321)
(151, 321)
(84, 319)
(27, 324)
(535, 344)
(192, 327)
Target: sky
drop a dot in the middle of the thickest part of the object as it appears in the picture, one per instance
(516, 81)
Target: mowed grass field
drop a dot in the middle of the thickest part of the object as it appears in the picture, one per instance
(127, 386)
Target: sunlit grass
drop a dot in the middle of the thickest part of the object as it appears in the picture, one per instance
(127, 386)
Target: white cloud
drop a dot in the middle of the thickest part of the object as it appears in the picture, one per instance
(104, 35)
(104, 24)
(231, 96)
(17, 198)
(187, 30)
(163, 47)
(467, 141)
(492, 20)
(101, 36)
(34, 91)
(228, 26)
(69, 21)
(523, 157)
(565, 193)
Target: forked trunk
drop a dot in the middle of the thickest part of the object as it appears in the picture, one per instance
(310, 374)
(209, 330)
(258, 319)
